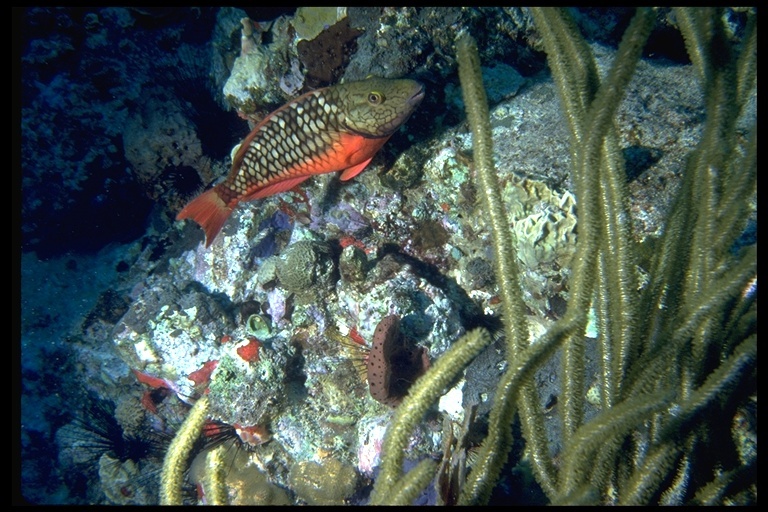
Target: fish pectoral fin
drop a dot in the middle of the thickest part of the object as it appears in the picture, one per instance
(276, 188)
(353, 171)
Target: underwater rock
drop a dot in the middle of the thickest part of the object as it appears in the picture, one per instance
(253, 87)
(328, 483)
(244, 482)
(326, 56)
(353, 265)
(164, 330)
(164, 150)
(120, 482)
(252, 391)
(308, 22)
(478, 273)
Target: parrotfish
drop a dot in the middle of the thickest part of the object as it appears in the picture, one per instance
(337, 128)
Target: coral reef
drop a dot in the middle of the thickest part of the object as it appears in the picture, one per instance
(261, 323)
(326, 55)
(87, 75)
(353, 265)
(391, 486)
(250, 88)
(309, 22)
(168, 319)
(642, 380)
(328, 483)
(306, 267)
(119, 445)
(161, 144)
(237, 472)
(118, 480)
(250, 389)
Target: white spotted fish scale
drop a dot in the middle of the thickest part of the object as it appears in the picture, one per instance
(338, 128)
(285, 145)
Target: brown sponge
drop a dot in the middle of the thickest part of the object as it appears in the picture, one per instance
(394, 362)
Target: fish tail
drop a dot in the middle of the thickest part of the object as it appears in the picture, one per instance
(208, 210)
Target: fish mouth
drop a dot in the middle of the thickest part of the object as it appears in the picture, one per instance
(416, 98)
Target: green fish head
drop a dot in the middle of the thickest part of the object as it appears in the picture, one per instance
(376, 107)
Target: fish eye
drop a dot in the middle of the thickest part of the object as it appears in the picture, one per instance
(375, 98)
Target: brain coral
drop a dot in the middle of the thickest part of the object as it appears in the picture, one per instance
(305, 266)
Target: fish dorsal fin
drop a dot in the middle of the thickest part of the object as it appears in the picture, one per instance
(353, 171)
(275, 188)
